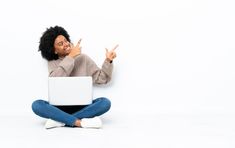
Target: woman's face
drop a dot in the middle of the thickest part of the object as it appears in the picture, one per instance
(62, 46)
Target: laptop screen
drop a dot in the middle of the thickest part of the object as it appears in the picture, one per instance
(70, 90)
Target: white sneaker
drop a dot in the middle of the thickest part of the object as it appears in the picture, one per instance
(52, 124)
(91, 122)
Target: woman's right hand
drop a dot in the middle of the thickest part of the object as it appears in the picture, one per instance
(75, 50)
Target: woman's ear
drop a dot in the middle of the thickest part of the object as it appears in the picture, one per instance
(54, 51)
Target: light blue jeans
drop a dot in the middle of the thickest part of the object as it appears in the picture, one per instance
(43, 109)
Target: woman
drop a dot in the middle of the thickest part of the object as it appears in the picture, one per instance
(65, 60)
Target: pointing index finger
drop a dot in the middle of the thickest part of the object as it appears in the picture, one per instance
(115, 47)
(79, 42)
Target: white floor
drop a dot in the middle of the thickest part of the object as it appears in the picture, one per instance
(124, 130)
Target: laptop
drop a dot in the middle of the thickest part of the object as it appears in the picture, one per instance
(70, 90)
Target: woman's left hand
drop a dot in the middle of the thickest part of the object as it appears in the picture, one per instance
(110, 55)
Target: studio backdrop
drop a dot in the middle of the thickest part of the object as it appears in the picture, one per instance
(174, 57)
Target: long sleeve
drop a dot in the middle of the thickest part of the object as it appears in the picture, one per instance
(100, 76)
(61, 68)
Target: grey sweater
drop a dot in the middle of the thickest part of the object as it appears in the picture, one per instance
(81, 65)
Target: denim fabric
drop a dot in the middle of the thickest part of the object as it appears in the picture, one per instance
(43, 109)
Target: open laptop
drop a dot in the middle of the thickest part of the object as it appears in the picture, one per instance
(70, 90)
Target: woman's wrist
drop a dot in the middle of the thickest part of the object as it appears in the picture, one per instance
(108, 60)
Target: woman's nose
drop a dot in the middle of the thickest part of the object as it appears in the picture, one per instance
(66, 44)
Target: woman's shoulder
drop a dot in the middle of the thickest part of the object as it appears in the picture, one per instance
(54, 61)
(83, 56)
(52, 64)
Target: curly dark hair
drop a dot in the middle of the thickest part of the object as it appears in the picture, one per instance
(47, 40)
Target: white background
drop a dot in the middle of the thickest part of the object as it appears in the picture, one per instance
(175, 57)
(173, 80)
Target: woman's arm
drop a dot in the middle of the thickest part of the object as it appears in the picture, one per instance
(100, 75)
(103, 75)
